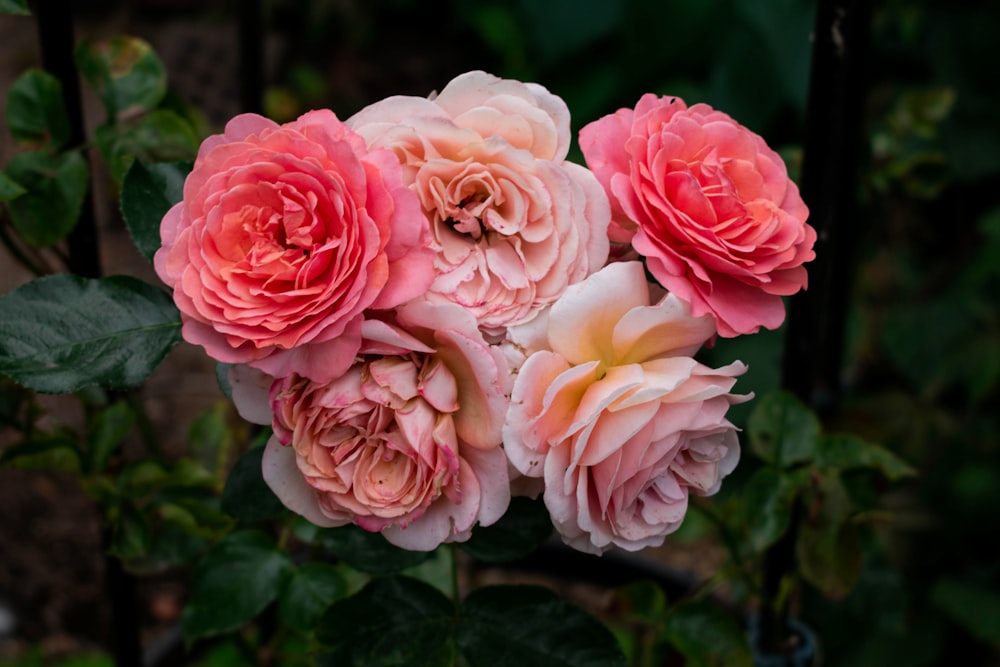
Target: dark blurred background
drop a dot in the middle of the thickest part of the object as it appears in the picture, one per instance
(921, 371)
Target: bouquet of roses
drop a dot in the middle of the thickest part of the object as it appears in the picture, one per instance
(435, 310)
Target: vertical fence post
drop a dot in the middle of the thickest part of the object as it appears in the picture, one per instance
(251, 41)
(815, 325)
(815, 329)
(55, 35)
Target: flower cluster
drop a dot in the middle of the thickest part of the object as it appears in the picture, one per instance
(432, 307)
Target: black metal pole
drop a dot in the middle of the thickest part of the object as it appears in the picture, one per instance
(55, 34)
(815, 327)
(813, 352)
(251, 39)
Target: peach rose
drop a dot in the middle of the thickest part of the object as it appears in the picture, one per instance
(708, 205)
(512, 223)
(406, 442)
(617, 417)
(285, 235)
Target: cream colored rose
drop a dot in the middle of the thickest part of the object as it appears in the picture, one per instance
(616, 416)
(513, 224)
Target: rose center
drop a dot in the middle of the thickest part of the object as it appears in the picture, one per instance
(467, 217)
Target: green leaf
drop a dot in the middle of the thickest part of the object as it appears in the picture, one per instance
(55, 188)
(44, 452)
(783, 431)
(18, 7)
(642, 601)
(173, 544)
(395, 621)
(309, 592)
(828, 547)
(846, 452)
(36, 112)
(108, 431)
(521, 530)
(148, 192)
(125, 72)
(529, 626)
(369, 552)
(233, 583)
(767, 505)
(707, 636)
(972, 606)
(247, 496)
(61, 333)
(157, 136)
(9, 188)
(131, 535)
(209, 436)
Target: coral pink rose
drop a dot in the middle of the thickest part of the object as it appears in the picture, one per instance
(512, 222)
(617, 418)
(708, 205)
(406, 442)
(285, 235)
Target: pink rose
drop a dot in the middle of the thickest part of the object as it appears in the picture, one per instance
(617, 417)
(286, 234)
(512, 222)
(406, 442)
(708, 205)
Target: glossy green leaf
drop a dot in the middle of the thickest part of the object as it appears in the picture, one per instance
(308, 593)
(368, 552)
(707, 636)
(157, 136)
(36, 112)
(61, 333)
(55, 188)
(396, 621)
(521, 530)
(108, 431)
(234, 582)
(9, 188)
(529, 626)
(846, 452)
(125, 72)
(18, 7)
(247, 496)
(148, 192)
(766, 508)
(782, 430)
(828, 547)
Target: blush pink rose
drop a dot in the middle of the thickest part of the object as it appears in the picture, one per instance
(285, 235)
(512, 222)
(617, 417)
(406, 442)
(708, 205)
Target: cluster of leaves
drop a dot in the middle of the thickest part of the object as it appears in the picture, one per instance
(45, 185)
